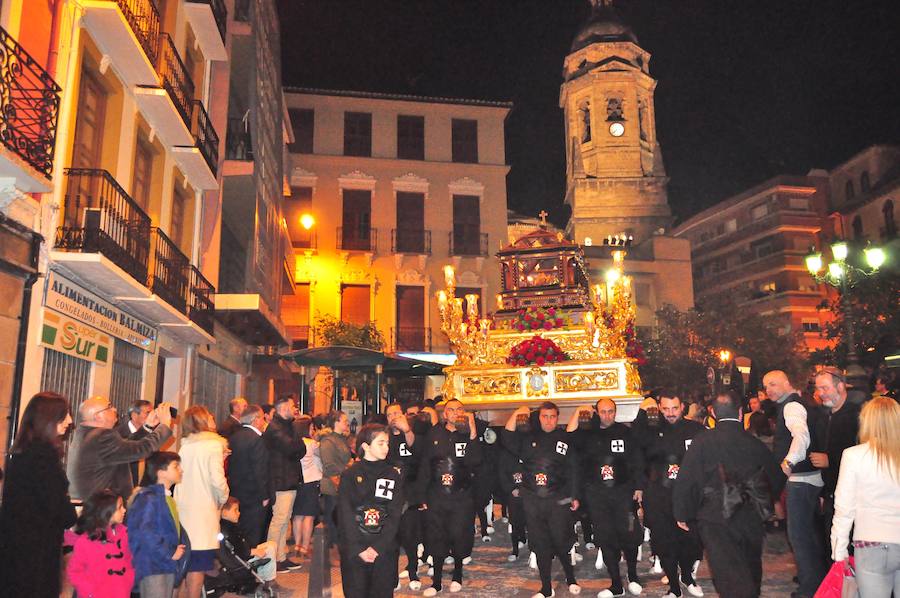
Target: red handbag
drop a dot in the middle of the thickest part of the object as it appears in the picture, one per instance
(840, 582)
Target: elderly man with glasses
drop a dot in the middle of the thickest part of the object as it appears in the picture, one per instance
(100, 458)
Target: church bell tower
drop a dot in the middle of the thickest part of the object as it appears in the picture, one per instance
(615, 178)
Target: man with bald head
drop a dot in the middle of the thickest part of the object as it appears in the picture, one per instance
(100, 458)
(232, 423)
(612, 472)
(796, 434)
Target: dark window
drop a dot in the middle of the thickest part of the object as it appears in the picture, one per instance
(303, 125)
(355, 303)
(848, 191)
(298, 203)
(864, 183)
(857, 228)
(356, 231)
(465, 140)
(890, 226)
(357, 134)
(466, 225)
(410, 332)
(410, 234)
(411, 137)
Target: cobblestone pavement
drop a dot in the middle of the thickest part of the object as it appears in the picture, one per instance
(491, 576)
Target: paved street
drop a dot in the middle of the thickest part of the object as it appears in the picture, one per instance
(490, 575)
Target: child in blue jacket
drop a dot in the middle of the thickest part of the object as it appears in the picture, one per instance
(159, 545)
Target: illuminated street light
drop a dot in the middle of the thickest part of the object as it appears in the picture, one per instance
(307, 221)
(875, 257)
(814, 263)
(724, 356)
(839, 251)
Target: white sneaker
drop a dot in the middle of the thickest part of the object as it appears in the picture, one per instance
(448, 560)
(640, 553)
(490, 529)
(657, 566)
(486, 539)
(598, 564)
(430, 592)
(420, 550)
(467, 560)
(511, 558)
(455, 586)
(574, 589)
(693, 589)
(430, 560)
(403, 574)
(608, 593)
(670, 595)
(590, 546)
(634, 588)
(532, 561)
(415, 585)
(646, 534)
(694, 569)
(509, 529)
(504, 519)
(540, 595)
(430, 572)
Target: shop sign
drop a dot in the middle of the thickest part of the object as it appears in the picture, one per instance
(70, 299)
(74, 338)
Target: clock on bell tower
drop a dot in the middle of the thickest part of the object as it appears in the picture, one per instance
(615, 178)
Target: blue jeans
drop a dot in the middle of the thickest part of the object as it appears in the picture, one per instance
(878, 570)
(805, 535)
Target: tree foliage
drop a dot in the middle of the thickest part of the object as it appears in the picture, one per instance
(331, 331)
(872, 308)
(687, 342)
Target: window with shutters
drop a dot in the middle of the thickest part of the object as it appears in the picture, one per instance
(213, 387)
(355, 303)
(410, 137)
(409, 236)
(356, 220)
(303, 126)
(358, 134)
(466, 225)
(464, 138)
(127, 375)
(409, 335)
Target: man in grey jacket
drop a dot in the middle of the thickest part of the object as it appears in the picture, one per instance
(100, 457)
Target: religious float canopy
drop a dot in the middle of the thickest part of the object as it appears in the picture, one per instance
(553, 336)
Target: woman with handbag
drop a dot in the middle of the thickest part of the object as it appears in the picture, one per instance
(867, 500)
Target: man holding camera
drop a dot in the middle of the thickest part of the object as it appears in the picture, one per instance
(612, 466)
(449, 454)
(549, 489)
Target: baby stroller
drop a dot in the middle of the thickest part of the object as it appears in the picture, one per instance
(235, 575)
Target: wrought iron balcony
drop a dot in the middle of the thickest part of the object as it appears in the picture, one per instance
(464, 243)
(143, 18)
(411, 241)
(174, 77)
(205, 136)
(169, 271)
(411, 339)
(29, 104)
(200, 304)
(357, 239)
(99, 217)
(220, 13)
(238, 142)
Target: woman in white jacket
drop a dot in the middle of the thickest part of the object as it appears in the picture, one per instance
(868, 500)
(201, 493)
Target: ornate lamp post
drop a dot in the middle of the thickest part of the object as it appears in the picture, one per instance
(724, 365)
(844, 276)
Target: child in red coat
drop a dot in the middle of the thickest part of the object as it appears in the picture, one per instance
(100, 565)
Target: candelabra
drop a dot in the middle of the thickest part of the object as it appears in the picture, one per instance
(467, 333)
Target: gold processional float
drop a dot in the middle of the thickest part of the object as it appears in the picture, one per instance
(553, 336)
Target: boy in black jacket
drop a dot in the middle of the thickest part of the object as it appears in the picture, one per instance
(232, 533)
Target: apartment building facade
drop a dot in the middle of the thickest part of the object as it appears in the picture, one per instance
(398, 187)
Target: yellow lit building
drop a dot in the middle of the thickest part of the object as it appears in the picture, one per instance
(398, 187)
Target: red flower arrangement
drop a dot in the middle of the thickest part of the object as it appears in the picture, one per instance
(536, 350)
(537, 318)
(633, 348)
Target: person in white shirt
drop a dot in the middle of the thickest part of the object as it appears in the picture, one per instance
(867, 500)
(306, 505)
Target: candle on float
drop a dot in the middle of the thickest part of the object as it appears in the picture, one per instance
(485, 324)
(472, 306)
(499, 301)
(449, 276)
(589, 321)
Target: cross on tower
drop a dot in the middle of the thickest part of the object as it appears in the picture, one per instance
(543, 215)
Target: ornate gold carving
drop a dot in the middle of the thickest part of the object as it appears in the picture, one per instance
(502, 384)
(586, 380)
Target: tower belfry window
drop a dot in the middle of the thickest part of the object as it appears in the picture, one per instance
(584, 113)
(614, 110)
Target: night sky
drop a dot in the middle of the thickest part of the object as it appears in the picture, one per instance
(747, 90)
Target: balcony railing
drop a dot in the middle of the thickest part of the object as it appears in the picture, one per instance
(241, 10)
(356, 239)
(200, 304)
(29, 104)
(220, 13)
(169, 271)
(143, 18)
(411, 241)
(411, 339)
(238, 143)
(469, 244)
(99, 217)
(205, 136)
(175, 78)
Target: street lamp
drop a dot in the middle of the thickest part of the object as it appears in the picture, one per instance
(724, 362)
(845, 276)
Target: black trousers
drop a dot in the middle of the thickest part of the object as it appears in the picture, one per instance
(551, 532)
(617, 529)
(676, 548)
(252, 522)
(448, 526)
(410, 538)
(734, 550)
(517, 520)
(369, 580)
